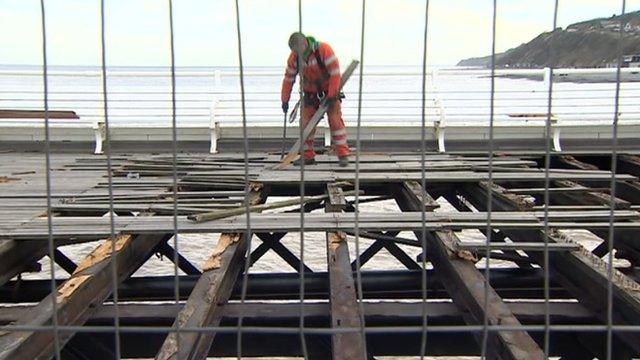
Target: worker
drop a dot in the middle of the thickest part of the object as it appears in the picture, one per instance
(321, 79)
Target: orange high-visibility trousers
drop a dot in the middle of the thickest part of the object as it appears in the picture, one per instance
(336, 125)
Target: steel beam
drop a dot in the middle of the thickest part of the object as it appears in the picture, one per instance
(170, 253)
(388, 284)
(272, 241)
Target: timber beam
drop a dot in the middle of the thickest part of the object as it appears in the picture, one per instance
(581, 272)
(468, 288)
(345, 310)
(79, 296)
(213, 289)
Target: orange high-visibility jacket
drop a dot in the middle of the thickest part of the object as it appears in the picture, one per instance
(314, 78)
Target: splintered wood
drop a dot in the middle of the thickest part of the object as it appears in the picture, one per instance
(224, 241)
(335, 239)
(69, 286)
(103, 252)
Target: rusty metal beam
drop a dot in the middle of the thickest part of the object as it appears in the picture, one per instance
(170, 253)
(345, 311)
(467, 287)
(272, 242)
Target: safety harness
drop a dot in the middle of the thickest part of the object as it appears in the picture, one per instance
(313, 49)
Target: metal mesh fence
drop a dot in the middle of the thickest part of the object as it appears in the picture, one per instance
(528, 288)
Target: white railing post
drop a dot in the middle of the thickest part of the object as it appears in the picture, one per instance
(214, 128)
(555, 132)
(439, 124)
(98, 134)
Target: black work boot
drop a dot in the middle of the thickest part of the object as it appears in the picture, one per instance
(343, 161)
(306, 162)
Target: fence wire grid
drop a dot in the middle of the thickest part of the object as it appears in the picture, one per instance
(529, 288)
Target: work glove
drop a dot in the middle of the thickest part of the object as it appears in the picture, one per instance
(285, 107)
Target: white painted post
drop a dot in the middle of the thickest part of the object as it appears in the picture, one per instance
(98, 131)
(439, 124)
(440, 132)
(555, 131)
(215, 135)
(214, 128)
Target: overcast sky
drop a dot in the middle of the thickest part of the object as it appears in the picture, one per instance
(205, 33)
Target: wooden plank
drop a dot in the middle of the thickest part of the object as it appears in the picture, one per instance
(78, 297)
(572, 162)
(468, 287)
(337, 202)
(625, 241)
(271, 177)
(591, 197)
(37, 114)
(629, 164)
(520, 191)
(345, 310)
(582, 273)
(211, 292)
(418, 192)
(496, 236)
(96, 227)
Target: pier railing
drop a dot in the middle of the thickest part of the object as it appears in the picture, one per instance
(208, 104)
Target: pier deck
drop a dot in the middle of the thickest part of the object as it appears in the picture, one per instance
(350, 310)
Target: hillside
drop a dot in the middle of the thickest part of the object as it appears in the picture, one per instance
(590, 43)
